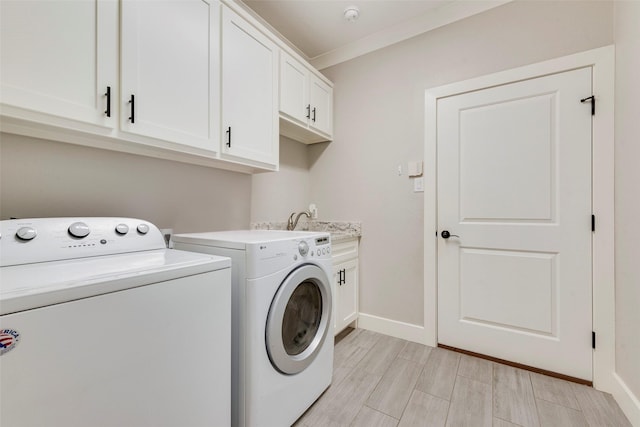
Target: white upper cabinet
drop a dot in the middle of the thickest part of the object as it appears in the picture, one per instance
(58, 60)
(170, 65)
(321, 101)
(306, 102)
(294, 90)
(191, 80)
(249, 93)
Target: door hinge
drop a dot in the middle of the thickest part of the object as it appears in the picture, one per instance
(593, 103)
(593, 223)
(593, 339)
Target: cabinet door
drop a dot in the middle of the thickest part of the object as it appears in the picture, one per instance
(294, 90)
(58, 58)
(346, 297)
(321, 99)
(249, 92)
(170, 71)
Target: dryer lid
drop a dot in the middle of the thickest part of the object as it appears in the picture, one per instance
(29, 286)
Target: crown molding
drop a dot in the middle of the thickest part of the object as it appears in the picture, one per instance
(439, 17)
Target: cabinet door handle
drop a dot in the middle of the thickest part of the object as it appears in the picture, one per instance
(314, 115)
(308, 111)
(341, 277)
(107, 112)
(228, 132)
(132, 101)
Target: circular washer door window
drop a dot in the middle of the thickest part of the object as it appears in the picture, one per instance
(299, 319)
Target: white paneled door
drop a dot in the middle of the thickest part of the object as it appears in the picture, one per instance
(514, 194)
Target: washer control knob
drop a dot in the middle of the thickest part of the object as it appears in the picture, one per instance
(26, 233)
(143, 228)
(122, 229)
(79, 229)
(303, 248)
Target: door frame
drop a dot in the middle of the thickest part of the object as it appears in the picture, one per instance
(602, 62)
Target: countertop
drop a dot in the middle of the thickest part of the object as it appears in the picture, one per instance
(339, 230)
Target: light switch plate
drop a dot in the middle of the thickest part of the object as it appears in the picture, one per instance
(418, 185)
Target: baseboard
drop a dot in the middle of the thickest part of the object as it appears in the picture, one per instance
(394, 328)
(629, 403)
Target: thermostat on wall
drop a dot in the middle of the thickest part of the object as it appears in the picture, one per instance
(415, 169)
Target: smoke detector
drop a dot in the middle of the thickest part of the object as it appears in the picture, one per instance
(352, 13)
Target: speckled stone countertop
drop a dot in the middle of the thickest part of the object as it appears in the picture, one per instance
(340, 230)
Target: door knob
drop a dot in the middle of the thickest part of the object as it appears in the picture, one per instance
(445, 234)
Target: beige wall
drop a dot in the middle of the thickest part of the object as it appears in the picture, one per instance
(379, 124)
(276, 194)
(627, 202)
(41, 178)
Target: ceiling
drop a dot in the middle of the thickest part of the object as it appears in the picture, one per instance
(318, 26)
(318, 29)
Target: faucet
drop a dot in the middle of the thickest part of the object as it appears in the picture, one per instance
(291, 224)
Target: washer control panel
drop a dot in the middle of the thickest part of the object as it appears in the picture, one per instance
(323, 246)
(25, 241)
(315, 247)
(283, 254)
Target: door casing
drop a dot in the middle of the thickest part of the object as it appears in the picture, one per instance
(602, 62)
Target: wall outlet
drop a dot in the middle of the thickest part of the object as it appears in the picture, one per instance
(418, 185)
(314, 211)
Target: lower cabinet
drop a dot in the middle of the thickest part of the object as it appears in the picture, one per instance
(345, 283)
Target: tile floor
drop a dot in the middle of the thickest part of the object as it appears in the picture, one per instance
(381, 381)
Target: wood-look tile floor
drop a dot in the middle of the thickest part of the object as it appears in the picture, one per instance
(381, 381)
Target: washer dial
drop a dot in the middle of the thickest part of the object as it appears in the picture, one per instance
(79, 230)
(26, 233)
(122, 229)
(303, 248)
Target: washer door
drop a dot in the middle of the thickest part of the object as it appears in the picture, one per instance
(299, 319)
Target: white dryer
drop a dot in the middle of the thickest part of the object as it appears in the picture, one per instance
(282, 344)
(101, 325)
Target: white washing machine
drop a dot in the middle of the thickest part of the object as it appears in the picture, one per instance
(282, 344)
(102, 326)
